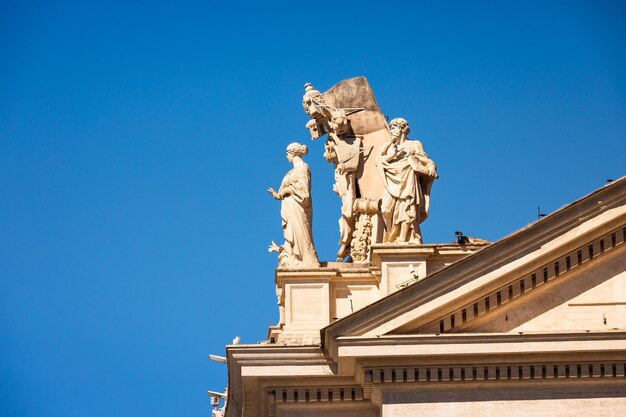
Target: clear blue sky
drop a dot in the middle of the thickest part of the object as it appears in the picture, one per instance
(137, 142)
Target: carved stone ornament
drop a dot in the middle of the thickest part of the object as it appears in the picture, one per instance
(296, 212)
(349, 115)
(365, 172)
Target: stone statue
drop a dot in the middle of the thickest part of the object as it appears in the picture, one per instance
(345, 158)
(408, 175)
(324, 118)
(296, 213)
(343, 150)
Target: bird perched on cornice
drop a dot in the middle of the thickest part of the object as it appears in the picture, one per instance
(467, 240)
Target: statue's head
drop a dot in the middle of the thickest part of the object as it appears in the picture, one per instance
(399, 127)
(296, 149)
(311, 98)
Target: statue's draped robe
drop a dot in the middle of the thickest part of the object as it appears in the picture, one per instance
(407, 189)
(346, 161)
(296, 213)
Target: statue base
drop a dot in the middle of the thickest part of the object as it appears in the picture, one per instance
(310, 299)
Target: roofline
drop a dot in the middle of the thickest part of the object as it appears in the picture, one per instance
(499, 252)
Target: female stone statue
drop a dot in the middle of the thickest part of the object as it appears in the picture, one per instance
(296, 212)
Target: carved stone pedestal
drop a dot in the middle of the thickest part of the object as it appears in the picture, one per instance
(310, 299)
(403, 265)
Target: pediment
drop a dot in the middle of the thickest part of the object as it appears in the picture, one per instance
(574, 293)
(566, 272)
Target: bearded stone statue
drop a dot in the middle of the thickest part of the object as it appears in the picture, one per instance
(408, 174)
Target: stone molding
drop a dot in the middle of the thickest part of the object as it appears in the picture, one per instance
(315, 394)
(385, 252)
(495, 372)
(444, 373)
(365, 359)
(550, 272)
(588, 217)
(409, 359)
(312, 395)
(312, 298)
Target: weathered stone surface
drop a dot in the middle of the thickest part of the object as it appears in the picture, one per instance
(296, 212)
(382, 178)
(533, 324)
(312, 298)
(408, 174)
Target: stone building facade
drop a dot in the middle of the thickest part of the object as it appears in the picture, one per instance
(533, 324)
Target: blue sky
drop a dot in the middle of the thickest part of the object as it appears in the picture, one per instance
(137, 141)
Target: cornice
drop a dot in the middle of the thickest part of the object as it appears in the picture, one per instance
(480, 338)
(273, 359)
(421, 251)
(335, 272)
(512, 291)
(271, 355)
(479, 349)
(574, 357)
(537, 371)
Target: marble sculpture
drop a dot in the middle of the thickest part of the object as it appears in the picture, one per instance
(408, 174)
(296, 212)
(382, 177)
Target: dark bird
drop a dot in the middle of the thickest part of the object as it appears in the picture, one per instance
(460, 239)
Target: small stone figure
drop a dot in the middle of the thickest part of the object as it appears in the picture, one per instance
(296, 213)
(407, 174)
